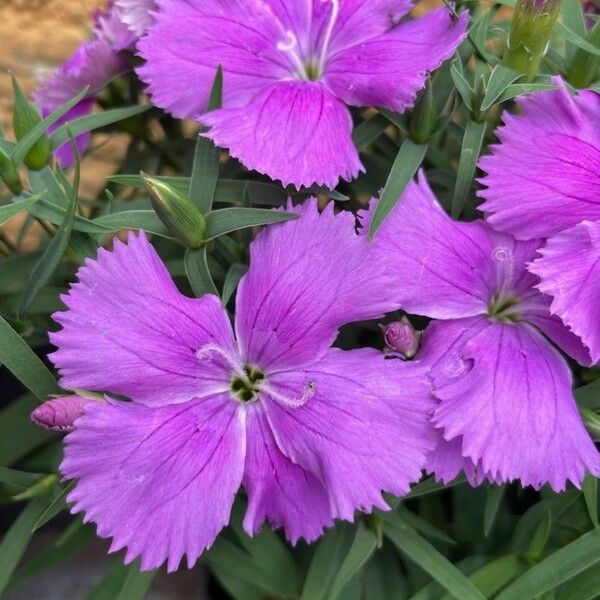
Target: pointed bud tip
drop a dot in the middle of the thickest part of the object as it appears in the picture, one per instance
(59, 414)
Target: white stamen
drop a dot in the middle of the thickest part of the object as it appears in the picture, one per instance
(290, 46)
(207, 351)
(335, 11)
(308, 393)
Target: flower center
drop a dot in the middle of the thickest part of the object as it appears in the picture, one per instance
(310, 70)
(503, 308)
(246, 386)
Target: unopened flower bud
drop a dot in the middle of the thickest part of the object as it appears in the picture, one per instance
(423, 120)
(529, 35)
(177, 212)
(60, 413)
(401, 338)
(9, 174)
(25, 118)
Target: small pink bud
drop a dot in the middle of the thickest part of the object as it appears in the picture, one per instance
(60, 413)
(401, 338)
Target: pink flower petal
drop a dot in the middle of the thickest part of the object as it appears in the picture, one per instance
(543, 177)
(294, 131)
(365, 429)
(390, 69)
(129, 330)
(307, 278)
(159, 481)
(279, 490)
(513, 405)
(569, 269)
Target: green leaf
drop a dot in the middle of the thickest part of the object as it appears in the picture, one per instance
(494, 495)
(19, 479)
(568, 34)
(590, 494)
(17, 539)
(72, 540)
(24, 145)
(226, 220)
(229, 191)
(10, 210)
(588, 396)
(556, 569)
(362, 548)
(110, 585)
(326, 562)
(584, 586)
(423, 526)
(95, 121)
(419, 550)
(136, 583)
(368, 131)
(499, 80)
(23, 363)
(56, 248)
(133, 219)
(196, 267)
(491, 578)
(431, 486)
(235, 273)
(205, 171)
(523, 89)
(410, 157)
(56, 506)
(471, 148)
(463, 87)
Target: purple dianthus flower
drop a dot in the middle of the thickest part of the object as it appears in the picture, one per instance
(311, 432)
(543, 181)
(290, 68)
(93, 64)
(137, 15)
(505, 405)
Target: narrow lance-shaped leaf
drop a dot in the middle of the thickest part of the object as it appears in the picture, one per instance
(24, 364)
(492, 505)
(205, 172)
(225, 220)
(136, 583)
(56, 248)
(196, 267)
(499, 80)
(363, 546)
(408, 160)
(471, 148)
(17, 539)
(10, 210)
(419, 550)
(558, 568)
(590, 494)
(95, 121)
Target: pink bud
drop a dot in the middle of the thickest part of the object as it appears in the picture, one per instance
(401, 338)
(60, 413)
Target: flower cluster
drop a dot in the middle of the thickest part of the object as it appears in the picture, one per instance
(193, 408)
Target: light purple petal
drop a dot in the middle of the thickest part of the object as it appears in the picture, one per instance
(390, 69)
(191, 38)
(159, 481)
(543, 177)
(136, 14)
(294, 131)
(64, 153)
(365, 429)
(569, 269)
(279, 490)
(128, 330)
(307, 278)
(109, 26)
(443, 269)
(513, 405)
(446, 462)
